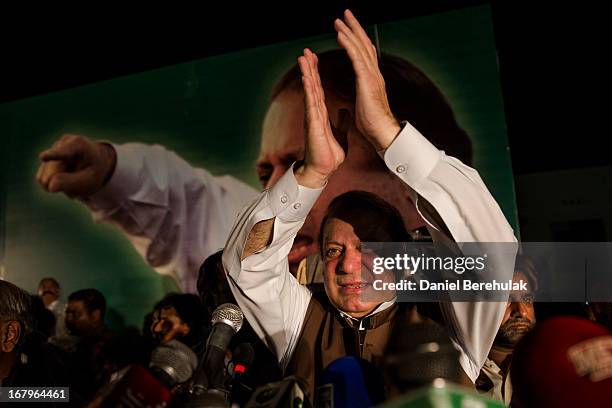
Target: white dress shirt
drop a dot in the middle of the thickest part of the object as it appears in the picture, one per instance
(175, 215)
(275, 303)
(502, 386)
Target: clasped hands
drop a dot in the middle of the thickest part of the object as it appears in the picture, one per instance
(324, 150)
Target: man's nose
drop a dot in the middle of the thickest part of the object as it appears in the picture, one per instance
(520, 309)
(525, 309)
(157, 327)
(350, 262)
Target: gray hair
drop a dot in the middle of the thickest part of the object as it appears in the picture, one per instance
(15, 304)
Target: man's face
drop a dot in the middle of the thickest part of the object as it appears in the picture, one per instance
(167, 325)
(519, 317)
(348, 275)
(283, 143)
(79, 321)
(48, 291)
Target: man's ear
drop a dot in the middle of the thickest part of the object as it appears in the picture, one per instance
(184, 329)
(9, 337)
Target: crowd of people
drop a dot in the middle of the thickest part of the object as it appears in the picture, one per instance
(293, 261)
(78, 350)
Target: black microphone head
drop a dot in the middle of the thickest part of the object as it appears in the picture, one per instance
(229, 314)
(176, 360)
(417, 354)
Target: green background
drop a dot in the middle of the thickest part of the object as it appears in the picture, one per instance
(210, 112)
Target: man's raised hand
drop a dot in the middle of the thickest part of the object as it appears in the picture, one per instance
(322, 154)
(373, 116)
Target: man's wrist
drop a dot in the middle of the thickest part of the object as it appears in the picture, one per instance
(109, 157)
(308, 177)
(387, 135)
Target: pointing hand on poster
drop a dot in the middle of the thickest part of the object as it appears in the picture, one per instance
(76, 166)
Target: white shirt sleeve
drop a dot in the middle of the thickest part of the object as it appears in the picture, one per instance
(271, 298)
(457, 193)
(174, 215)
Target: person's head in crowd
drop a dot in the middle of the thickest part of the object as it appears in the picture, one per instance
(564, 362)
(518, 320)
(178, 316)
(212, 285)
(352, 218)
(48, 290)
(15, 323)
(519, 317)
(85, 312)
(412, 97)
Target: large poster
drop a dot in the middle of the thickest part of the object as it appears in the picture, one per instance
(210, 112)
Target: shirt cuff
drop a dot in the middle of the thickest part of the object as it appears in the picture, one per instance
(411, 156)
(123, 182)
(290, 201)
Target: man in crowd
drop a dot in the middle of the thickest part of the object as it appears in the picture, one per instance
(307, 332)
(176, 215)
(181, 317)
(49, 291)
(26, 360)
(85, 314)
(15, 322)
(519, 319)
(85, 320)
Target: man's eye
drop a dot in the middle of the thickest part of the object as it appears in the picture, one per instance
(331, 253)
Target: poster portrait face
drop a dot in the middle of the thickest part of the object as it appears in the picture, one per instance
(414, 98)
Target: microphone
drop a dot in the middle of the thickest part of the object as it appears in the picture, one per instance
(417, 354)
(565, 361)
(441, 394)
(350, 382)
(208, 389)
(423, 370)
(171, 364)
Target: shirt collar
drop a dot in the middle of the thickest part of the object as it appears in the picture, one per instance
(53, 304)
(358, 322)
